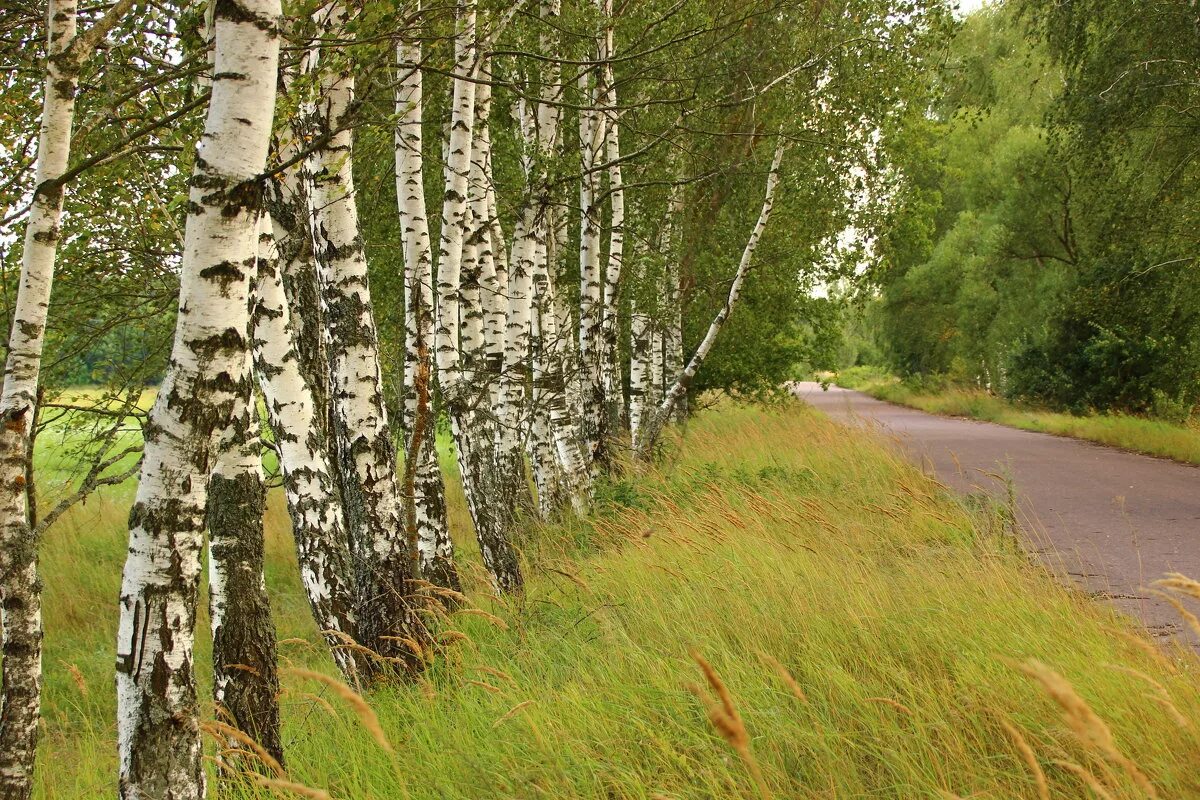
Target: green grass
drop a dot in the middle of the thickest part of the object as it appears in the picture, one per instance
(903, 615)
(1138, 434)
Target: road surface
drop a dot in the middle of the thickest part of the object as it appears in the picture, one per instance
(1114, 521)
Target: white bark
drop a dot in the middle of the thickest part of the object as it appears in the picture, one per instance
(679, 386)
(610, 366)
(591, 143)
(158, 731)
(20, 588)
(366, 452)
(314, 504)
(423, 491)
(460, 325)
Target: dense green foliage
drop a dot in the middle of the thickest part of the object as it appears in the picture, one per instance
(1044, 231)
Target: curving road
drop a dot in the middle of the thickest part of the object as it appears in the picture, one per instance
(1112, 520)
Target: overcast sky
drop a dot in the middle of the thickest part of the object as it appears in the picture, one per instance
(967, 6)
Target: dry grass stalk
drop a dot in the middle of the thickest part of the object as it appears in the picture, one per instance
(724, 716)
(361, 708)
(785, 676)
(223, 732)
(1029, 757)
(499, 673)
(411, 644)
(450, 637)
(485, 685)
(1188, 616)
(1160, 694)
(572, 577)
(1085, 723)
(479, 612)
(278, 785)
(896, 704)
(1181, 583)
(512, 712)
(1087, 778)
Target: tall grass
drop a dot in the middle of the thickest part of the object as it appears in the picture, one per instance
(1178, 441)
(784, 609)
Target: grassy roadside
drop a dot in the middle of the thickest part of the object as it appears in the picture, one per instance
(867, 635)
(1138, 434)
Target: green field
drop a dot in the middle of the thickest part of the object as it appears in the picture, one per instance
(1180, 442)
(873, 637)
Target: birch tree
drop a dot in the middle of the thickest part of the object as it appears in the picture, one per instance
(67, 49)
(158, 733)
(473, 440)
(679, 385)
(366, 454)
(245, 673)
(609, 354)
(423, 490)
(300, 433)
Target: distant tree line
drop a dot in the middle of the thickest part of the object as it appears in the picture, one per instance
(1043, 239)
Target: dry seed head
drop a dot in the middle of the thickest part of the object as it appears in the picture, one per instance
(1086, 777)
(896, 704)
(499, 673)
(784, 675)
(1086, 724)
(479, 612)
(220, 731)
(512, 712)
(485, 685)
(1180, 583)
(1029, 757)
(277, 785)
(361, 708)
(1188, 616)
(77, 677)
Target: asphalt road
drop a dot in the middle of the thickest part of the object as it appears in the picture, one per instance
(1111, 520)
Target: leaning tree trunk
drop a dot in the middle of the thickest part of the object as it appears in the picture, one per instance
(158, 732)
(20, 586)
(298, 426)
(387, 622)
(423, 492)
(245, 669)
(679, 387)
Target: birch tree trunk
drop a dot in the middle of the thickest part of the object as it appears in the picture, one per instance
(591, 143)
(366, 454)
(457, 335)
(610, 365)
(679, 386)
(301, 435)
(672, 330)
(558, 451)
(423, 491)
(157, 710)
(245, 669)
(20, 587)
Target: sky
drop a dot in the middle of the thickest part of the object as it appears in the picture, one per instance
(967, 6)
